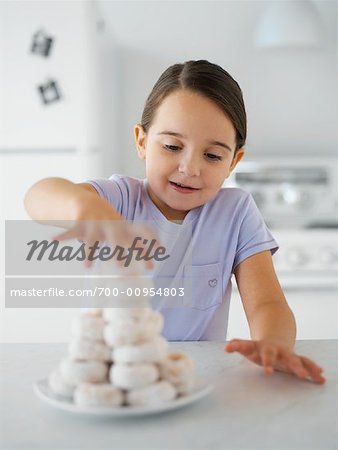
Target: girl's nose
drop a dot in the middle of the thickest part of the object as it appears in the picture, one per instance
(190, 166)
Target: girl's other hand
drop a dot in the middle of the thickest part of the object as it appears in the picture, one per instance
(271, 355)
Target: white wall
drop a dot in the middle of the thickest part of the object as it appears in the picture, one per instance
(290, 94)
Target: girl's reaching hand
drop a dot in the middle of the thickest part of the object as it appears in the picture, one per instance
(272, 355)
(97, 221)
(113, 232)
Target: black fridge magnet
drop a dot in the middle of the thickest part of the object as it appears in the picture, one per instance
(42, 43)
(49, 91)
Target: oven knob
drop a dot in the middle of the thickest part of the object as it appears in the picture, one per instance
(297, 257)
(288, 195)
(328, 257)
(305, 200)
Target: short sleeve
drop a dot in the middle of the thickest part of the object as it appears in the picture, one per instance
(254, 236)
(110, 190)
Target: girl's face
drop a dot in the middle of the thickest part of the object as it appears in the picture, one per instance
(189, 152)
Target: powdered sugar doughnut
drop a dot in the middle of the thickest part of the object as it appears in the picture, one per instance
(110, 267)
(76, 371)
(125, 299)
(115, 314)
(58, 384)
(92, 311)
(90, 394)
(131, 331)
(133, 376)
(178, 369)
(154, 394)
(133, 288)
(82, 348)
(88, 325)
(150, 351)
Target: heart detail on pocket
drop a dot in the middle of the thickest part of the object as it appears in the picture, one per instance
(213, 282)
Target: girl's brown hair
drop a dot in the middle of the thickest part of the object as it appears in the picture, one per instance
(206, 79)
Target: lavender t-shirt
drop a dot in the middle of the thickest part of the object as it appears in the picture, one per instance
(204, 251)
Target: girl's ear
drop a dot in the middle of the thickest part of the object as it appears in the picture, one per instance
(239, 155)
(140, 140)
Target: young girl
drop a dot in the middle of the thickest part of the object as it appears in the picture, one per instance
(191, 136)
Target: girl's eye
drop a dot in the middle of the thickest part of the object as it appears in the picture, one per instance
(213, 157)
(172, 148)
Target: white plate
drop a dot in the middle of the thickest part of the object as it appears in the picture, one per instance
(43, 391)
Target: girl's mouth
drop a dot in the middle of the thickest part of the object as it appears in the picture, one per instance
(182, 188)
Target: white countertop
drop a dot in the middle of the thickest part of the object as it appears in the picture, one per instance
(247, 410)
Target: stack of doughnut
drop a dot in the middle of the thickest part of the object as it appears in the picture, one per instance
(117, 357)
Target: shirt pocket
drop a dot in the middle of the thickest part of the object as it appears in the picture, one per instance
(202, 286)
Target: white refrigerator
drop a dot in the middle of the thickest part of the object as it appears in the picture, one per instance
(49, 124)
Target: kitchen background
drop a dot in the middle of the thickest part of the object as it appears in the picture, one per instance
(74, 76)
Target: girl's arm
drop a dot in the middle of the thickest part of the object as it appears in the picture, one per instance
(86, 216)
(271, 321)
(58, 199)
(266, 308)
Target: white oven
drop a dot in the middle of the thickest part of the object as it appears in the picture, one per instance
(301, 213)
